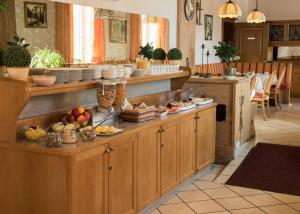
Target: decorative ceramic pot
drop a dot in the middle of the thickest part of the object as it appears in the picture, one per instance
(2, 72)
(18, 73)
(174, 62)
(155, 61)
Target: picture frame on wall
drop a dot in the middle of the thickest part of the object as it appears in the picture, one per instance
(118, 30)
(35, 15)
(208, 27)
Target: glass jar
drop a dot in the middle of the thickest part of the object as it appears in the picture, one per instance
(106, 94)
(120, 95)
(54, 139)
(69, 136)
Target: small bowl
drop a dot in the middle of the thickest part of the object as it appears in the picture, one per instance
(44, 80)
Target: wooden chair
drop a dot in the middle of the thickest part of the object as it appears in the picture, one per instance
(264, 98)
(275, 92)
(253, 82)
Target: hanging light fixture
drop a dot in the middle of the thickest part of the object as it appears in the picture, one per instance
(230, 10)
(256, 16)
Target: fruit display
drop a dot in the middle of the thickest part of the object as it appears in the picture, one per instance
(172, 108)
(161, 111)
(107, 130)
(78, 116)
(34, 133)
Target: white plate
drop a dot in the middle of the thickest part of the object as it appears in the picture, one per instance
(205, 102)
(175, 112)
(185, 108)
(110, 134)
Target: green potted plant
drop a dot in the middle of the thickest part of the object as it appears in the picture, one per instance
(16, 58)
(227, 53)
(174, 56)
(158, 56)
(46, 58)
(146, 51)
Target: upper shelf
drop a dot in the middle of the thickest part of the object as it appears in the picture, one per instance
(72, 87)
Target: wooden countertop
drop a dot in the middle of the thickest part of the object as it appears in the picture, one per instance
(68, 150)
(217, 79)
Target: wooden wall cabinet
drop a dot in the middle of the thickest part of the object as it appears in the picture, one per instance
(284, 33)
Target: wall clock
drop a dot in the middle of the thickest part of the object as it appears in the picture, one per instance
(189, 9)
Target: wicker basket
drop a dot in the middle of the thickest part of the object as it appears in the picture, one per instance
(138, 115)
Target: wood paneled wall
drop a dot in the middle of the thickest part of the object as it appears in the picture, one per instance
(186, 34)
(7, 23)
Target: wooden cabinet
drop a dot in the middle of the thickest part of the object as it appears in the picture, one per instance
(122, 175)
(148, 166)
(284, 33)
(90, 181)
(187, 141)
(206, 138)
(169, 156)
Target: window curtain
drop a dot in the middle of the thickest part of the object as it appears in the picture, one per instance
(163, 34)
(136, 35)
(99, 41)
(64, 40)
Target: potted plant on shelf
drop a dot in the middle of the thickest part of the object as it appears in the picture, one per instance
(158, 56)
(146, 51)
(16, 58)
(227, 53)
(174, 56)
(46, 58)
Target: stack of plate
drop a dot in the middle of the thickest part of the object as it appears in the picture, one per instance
(75, 74)
(62, 75)
(91, 74)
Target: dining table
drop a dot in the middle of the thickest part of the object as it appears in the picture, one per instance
(261, 83)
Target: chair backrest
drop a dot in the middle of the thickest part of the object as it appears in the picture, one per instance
(280, 79)
(253, 82)
(269, 84)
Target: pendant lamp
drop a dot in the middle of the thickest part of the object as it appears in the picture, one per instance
(256, 16)
(230, 10)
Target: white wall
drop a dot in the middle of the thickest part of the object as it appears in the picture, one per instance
(162, 8)
(278, 9)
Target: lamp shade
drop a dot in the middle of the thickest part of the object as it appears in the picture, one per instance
(230, 10)
(256, 16)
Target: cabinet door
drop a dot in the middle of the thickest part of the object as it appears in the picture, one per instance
(187, 147)
(148, 166)
(206, 138)
(169, 156)
(89, 182)
(122, 175)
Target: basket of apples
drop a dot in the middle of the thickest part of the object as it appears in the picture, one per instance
(78, 116)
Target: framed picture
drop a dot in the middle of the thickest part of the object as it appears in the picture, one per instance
(189, 9)
(118, 30)
(208, 27)
(35, 15)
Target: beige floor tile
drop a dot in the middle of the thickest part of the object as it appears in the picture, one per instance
(190, 196)
(216, 168)
(209, 177)
(237, 161)
(286, 198)
(155, 212)
(175, 208)
(245, 191)
(279, 209)
(229, 170)
(234, 203)
(207, 184)
(173, 200)
(222, 179)
(222, 212)
(296, 206)
(188, 187)
(262, 200)
(247, 211)
(206, 206)
(220, 193)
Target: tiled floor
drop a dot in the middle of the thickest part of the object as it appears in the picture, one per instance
(208, 193)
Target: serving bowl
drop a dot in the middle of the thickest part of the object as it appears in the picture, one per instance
(44, 80)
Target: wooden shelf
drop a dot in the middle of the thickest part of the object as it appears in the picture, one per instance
(72, 87)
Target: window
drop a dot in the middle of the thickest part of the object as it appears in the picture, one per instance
(150, 31)
(83, 33)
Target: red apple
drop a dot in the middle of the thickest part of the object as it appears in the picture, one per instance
(81, 119)
(76, 113)
(87, 116)
(71, 118)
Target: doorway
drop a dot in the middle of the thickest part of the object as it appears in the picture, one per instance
(228, 29)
